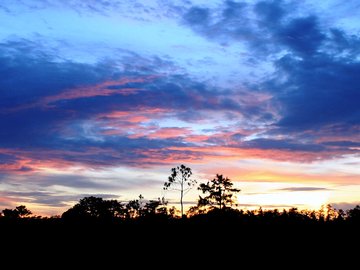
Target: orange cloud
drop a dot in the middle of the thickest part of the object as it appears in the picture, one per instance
(273, 173)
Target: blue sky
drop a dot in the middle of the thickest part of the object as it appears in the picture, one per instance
(105, 97)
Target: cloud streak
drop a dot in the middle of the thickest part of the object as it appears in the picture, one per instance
(294, 189)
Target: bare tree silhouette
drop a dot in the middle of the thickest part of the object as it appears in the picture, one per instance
(180, 180)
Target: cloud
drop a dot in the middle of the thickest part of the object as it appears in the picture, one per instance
(302, 36)
(107, 88)
(14, 164)
(37, 179)
(101, 115)
(324, 92)
(56, 186)
(48, 199)
(314, 86)
(345, 205)
(109, 113)
(135, 9)
(349, 144)
(6, 159)
(294, 189)
(315, 82)
(283, 145)
(174, 132)
(270, 13)
(132, 109)
(231, 22)
(264, 27)
(256, 206)
(53, 190)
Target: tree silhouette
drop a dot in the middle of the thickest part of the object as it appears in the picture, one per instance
(19, 212)
(154, 207)
(180, 180)
(133, 207)
(94, 207)
(221, 193)
(354, 214)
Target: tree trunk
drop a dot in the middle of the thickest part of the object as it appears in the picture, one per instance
(181, 197)
(181, 203)
(220, 198)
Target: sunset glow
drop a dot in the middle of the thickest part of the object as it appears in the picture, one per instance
(105, 97)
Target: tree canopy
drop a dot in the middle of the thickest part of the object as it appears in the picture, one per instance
(94, 207)
(220, 193)
(19, 212)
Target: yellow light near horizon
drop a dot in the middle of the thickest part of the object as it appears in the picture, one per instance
(299, 199)
(50, 170)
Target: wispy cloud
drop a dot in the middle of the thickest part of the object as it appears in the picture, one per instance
(294, 189)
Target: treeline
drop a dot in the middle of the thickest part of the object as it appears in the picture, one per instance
(218, 204)
(96, 209)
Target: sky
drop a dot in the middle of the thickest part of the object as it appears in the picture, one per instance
(103, 98)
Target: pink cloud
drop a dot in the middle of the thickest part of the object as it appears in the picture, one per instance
(134, 124)
(173, 132)
(107, 88)
(214, 152)
(47, 161)
(197, 138)
(7, 201)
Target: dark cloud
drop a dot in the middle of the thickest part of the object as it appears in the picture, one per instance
(7, 159)
(28, 72)
(231, 23)
(282, 145)
(261, 26)
(266, 27)
(342, 143)
(198, 17)
(341, 43)
(302, 35)
(28, 75)
(27, 78)
(270, 13)
(318, 91)
(316, 82)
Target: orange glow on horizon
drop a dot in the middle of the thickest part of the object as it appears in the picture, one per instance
(304, 200)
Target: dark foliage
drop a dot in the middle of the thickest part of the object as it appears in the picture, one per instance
(215, 218)
(220, 193)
